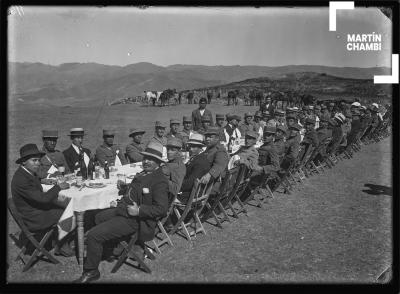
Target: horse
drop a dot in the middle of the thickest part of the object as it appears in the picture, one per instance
(166, 95)
(232, 97)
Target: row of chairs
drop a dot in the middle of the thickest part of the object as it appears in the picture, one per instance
(203, 206)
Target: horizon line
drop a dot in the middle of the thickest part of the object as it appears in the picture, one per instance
(182, 64)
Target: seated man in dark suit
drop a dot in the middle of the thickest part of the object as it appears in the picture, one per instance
(76, 152)
(38, 209)
(196, 167)
(145, 201)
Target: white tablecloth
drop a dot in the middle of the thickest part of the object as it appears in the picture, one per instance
(90, 198)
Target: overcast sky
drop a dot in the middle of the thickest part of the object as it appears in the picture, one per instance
(208, 36)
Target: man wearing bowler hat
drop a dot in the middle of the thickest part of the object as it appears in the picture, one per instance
(39, 210)
(110, 152)
(53, 158)
(198, 113)
(76, 151)
(142, 205)
(134, 148)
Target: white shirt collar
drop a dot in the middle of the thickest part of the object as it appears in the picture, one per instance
(76, 148)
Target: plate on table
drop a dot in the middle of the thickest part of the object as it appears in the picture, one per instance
(96, 185)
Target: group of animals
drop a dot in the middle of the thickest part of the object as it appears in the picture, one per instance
(251, 97)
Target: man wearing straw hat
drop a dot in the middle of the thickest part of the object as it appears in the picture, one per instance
(53, 158)
(39, 210)
(142, 205)
(197, 166)
(134, 148)
(110, 152)
(75, 151)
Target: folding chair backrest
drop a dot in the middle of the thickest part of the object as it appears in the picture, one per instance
(202, 195)
(309, 151)
(17, 216)
(228, 182)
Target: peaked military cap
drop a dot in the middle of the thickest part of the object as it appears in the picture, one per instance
(270, 129)
(108, 133)
(134, 131)
(174, 142)
(160, 124)
(252, 134)
(205, 118)
(310, 121)
(174, 121)
(212, 131)
(219, 116)
(187, 119)
(49, 134)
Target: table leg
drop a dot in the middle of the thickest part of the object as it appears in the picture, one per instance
(81, 236)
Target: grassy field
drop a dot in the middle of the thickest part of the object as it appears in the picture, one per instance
(335, 228)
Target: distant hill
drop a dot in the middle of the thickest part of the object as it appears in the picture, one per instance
(93, 83)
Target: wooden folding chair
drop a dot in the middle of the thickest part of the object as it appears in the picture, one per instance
(40, 251)
(190, 211)
(228, 188)
(129, 252)
(244, 180)
(161, 236)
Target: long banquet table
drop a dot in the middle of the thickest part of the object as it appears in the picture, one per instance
(81, 200)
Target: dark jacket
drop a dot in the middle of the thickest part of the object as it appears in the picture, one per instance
(153, 206)
(55, 158)
(218, 159)
(196, 167)
(30, 200)
(268, 158)
(103, 153)
(196, 118)
(133, 152)
(72, 158)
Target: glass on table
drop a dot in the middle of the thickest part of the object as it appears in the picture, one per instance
(79, 181)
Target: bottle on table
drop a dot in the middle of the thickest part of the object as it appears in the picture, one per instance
(84, 171)
(90, 169)
(106, 170)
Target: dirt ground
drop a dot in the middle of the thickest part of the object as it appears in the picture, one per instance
(335, 228)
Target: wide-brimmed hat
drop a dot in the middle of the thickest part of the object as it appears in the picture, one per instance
(28, 151)
(76, 132)
(266, 113)
(340, 117)
(212, 131)
(196, 139)
(205, 118)
(356, 104)
(160, 124)
(154, 150)
(135, 131)
(108, 132)
(269, 129)
(219, 116)
(49, 134)
(174, 121)
(252, 134)
(174, 142)
(187, 119)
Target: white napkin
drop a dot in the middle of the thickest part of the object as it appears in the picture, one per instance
(51, 170)
(117, 160)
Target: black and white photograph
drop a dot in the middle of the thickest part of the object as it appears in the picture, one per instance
(201, 144)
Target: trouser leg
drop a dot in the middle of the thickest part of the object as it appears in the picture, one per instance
(113, 228)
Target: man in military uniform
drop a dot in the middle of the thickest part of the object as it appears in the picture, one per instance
(76, 151)
(337, 133)
(291, 146)
(205, 124)
(248, 154)
(174, 169)
(137, 212)
(268, 160)
(109, 151)
(258, 124)
(270, 120)
(197, 114)
(186, 132)
(53, 158)
(135, 147)
(247, 124)
(323, 133)
(220, 123)
(174, 129)
(279, 142)
(216, 155)
(310, 136)
(159, 134)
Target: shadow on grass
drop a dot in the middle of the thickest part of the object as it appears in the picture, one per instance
(378, 190)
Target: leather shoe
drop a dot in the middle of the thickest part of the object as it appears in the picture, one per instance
(88, 276)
